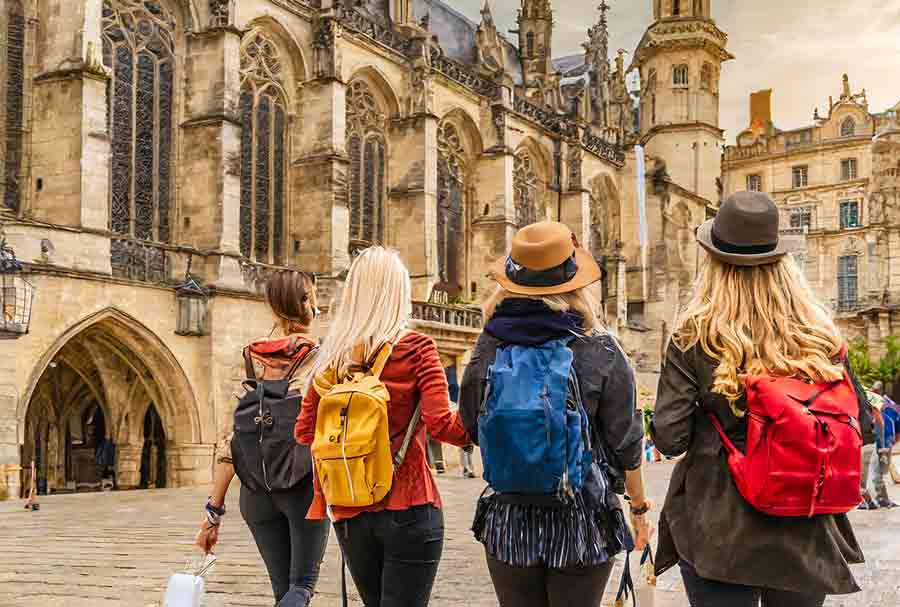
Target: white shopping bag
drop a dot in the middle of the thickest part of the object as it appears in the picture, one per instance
(187, 589)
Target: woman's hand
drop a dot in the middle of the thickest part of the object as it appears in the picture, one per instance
(207, 537)
(643, 530)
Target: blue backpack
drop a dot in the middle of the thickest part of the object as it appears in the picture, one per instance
(533, 430)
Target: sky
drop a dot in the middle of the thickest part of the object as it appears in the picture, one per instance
(798, 48)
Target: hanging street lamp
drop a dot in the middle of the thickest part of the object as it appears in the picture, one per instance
(16, 295)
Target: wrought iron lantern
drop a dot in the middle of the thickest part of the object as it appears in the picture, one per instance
(192, 302)
(16, 295)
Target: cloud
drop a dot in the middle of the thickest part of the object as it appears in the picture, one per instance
(798, 49)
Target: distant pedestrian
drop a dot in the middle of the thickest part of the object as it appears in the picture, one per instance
(377, 387)
(274, 499)
(878, 463)
(751, 313)
(550, 395)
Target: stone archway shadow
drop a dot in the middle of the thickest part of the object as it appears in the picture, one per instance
(176, 400)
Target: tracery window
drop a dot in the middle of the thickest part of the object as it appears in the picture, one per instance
(529, 45)
(139, 48)
(452, 179)
(526, 186)
(848, 128)
(263, 108)
(680, 75)
(15, 92)
(368, 165)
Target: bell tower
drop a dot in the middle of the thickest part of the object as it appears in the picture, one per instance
(536, 38)
(680, 60)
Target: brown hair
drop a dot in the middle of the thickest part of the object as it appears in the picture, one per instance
(288, 294)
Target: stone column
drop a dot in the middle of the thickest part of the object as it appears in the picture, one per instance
(412, 211)
(493, 213)
(188, 465)
(892, 280)
(128, 465)
(70, 142)
(621, 293)
(211, 154)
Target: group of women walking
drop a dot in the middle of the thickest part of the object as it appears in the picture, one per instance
(549, 395)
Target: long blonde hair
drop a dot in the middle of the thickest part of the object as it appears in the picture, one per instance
(375, 309)
(759, 319)
(581, 301)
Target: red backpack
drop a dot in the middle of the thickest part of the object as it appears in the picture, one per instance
(803, 452)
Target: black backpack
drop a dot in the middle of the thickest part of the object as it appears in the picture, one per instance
(266, 456)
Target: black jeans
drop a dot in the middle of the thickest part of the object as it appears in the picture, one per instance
(543, 587)
(393, 556)
(291, 546)
(708, 593)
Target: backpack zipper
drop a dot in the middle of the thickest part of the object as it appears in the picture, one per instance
(345, 425)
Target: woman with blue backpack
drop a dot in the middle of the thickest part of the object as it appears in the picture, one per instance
(756, 393)
(550, 397)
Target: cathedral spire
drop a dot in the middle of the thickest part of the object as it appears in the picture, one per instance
(597, 46)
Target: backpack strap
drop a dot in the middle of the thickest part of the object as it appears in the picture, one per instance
(407, 439)
(248, 365)
(729, 446)
(381, 359)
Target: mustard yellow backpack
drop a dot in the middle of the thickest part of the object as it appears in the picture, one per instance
(352, 445)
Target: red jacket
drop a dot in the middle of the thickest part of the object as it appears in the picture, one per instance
(412, 375)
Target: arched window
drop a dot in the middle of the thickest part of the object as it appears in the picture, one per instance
(367, 179)
(452, 183)
(264, 120)
(651, 92)
(15, 92)
(848, 127)
(139, 48)
(676, 7)
(526, 186)
(680, 75)
(529, 44)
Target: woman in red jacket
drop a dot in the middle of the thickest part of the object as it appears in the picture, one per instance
(392, 548)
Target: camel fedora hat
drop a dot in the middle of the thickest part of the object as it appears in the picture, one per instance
(545, 260)
(744, 231)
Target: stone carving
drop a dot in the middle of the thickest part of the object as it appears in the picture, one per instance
(219, 13)
(358, 22)
(553, 122)
(602, 148)
(576, 157)
(462, 75)
(498, 117)
(419, 92)
(489, 46)
(326, 57)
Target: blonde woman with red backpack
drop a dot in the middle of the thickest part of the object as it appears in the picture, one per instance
(756, 375)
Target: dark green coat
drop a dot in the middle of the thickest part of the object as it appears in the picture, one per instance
(707, 523)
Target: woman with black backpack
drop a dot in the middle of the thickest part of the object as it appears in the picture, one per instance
(550, 396)
(752, 329)
(275, 472)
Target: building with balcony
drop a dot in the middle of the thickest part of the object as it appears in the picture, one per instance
(162, 157)
(837, 181)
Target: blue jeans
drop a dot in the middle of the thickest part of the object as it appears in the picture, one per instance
(708, 593)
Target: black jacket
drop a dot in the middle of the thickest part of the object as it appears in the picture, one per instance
(707, 523)
(607, 388)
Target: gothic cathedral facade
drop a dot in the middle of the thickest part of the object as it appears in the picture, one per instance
(162, 157)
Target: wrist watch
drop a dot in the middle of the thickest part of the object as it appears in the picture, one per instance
(643, 509)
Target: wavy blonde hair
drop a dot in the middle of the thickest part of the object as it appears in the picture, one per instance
(375, 309)
(759, 320)
(581, 301)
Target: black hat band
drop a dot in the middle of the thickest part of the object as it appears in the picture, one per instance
(553, 277)
(741, 249)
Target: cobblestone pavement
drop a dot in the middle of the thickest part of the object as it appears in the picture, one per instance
(104, 549)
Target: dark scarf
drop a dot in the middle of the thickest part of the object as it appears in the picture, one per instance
(529, 322)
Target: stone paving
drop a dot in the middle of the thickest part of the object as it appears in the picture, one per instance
(105, 549)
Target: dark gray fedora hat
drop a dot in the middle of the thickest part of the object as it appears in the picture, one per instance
(744, 231)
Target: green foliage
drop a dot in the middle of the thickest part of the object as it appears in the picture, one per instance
(885, 370)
